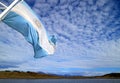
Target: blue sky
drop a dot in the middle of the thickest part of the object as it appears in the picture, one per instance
(88, 38)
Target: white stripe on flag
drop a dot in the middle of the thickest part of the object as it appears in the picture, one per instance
(25, 11)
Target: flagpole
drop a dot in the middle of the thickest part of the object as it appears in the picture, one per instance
(8, 9)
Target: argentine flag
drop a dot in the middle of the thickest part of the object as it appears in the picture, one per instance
(24, 20)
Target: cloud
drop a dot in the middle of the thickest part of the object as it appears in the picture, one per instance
(13, 47)
(87, 32)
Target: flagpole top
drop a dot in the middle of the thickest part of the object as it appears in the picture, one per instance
(8, 9)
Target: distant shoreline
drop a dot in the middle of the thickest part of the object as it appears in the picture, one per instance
(34, 75)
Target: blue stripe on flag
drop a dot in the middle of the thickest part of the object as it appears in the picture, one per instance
(21, 25)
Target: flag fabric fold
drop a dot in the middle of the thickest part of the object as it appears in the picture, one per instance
(27, 23)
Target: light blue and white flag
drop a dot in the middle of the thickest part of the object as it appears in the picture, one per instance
(23, 19)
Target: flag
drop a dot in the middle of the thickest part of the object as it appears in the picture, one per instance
(24, 20)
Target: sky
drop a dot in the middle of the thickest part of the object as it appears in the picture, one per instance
(88, 38)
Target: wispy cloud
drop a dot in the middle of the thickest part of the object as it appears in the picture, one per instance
(87, 32)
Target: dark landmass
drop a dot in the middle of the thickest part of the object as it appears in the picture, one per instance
(33, 75)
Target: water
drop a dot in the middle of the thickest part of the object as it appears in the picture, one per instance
(59, 80)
